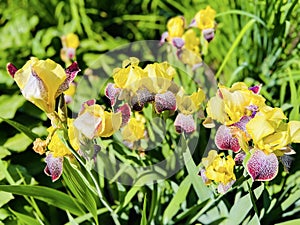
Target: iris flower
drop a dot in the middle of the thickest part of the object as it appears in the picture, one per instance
(42, 81)
(70, 43)
(187, 105)
(93, 121)
(218, 169)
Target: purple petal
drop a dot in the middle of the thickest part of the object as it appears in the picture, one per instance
(239, 158)
(11, 69)
(126, 111)
(178, 42)
(112, 93)
(163, 37)
(203, 176)
(208, 34)
(254, 110)
(242, 123)
(142, 97)
(255, 89)
(223, 188)
(71, 73)
(184, 123)
(193, 23)
(87, 103)
(286, 161)
(262, 167)
(166, 101)
(54, 167)
(225, 141)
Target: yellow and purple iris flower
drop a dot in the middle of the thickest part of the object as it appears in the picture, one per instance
(42, 81)
(219, 170)
(256, 132)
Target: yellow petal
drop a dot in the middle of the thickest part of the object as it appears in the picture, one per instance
(216, 109)
(294, 129)
(259, 127)
(110, 124)
(72, 41)
(175, 26)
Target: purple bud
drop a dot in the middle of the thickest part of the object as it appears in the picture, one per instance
(11, 69)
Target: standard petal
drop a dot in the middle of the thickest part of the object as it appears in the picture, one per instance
(54, 167)
(262, 167)
(225, 141)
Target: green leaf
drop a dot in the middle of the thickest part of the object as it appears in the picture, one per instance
(80, 188)
(5, 198)
(18, 143)
(3, 152)
(144, 216)
(177, 199)
(242, 206)
(48, 195)
(9, 105)
(291, 222)
(22, 218)
(21, 128)
(202, 191)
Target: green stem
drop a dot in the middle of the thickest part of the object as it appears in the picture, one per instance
(234, 45)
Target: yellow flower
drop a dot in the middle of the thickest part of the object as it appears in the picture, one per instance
(231, 104)
(40, 82)
(134, 130)
(188, 104)
(57, 147)
(205, 18)
(70, 43)
(93, 121)
(218, 168)
(71, 40)
(129, 75)
(270, 133)
(159, 77)
(175, 27)
(191, 41)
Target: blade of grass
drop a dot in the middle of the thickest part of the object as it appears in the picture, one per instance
(234, 45)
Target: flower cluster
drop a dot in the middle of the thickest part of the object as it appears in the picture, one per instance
(154, 84)
(186, 40)
(258, 133)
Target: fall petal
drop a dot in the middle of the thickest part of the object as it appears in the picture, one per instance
(184, 123)
(126, 112)
(54, 167)
(225, 141)
(112, 93)
(166, 101)
(11, 69)
(262, 167)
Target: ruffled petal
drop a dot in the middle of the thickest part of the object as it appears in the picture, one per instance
(225, 141)
(166, 101)
(184, 123)
(262, 167)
